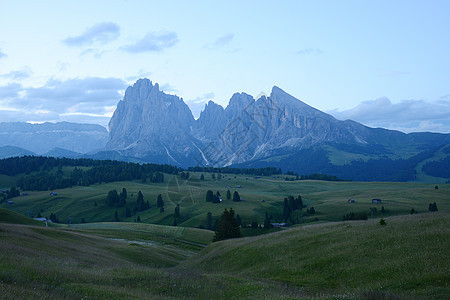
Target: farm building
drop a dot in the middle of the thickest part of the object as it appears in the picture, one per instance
(376, 200)
(351, 200)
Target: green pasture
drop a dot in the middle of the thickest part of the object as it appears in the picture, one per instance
(408, 258)
(330, 199)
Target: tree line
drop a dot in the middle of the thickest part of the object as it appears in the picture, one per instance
(40, 174)
(266, 171)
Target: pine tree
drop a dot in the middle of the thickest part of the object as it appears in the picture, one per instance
(299, 201)
(238, 219)
(140, 201)
(267, 223)
(209, 196)
(202, 177)
(116, 217)
(227, 226)
(177, 211)
(286, 210)
(160, 202)
(236, 197)
(209, 220)
(228, 195)
(123, 197)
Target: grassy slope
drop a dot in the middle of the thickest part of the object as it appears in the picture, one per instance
(407, 257)
(328, 198)
(410, 256)
(7, 216)
(112, 261)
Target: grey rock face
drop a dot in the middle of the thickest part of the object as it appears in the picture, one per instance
(41, 138)
(152, 125)
(156, 127)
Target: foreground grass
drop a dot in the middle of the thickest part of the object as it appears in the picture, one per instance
(407, 258)
(38, 262)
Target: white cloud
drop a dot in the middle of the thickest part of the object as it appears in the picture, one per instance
(102, 33)
(153, 42)
(221, 41)
(17, 74)
(74, 99)
(2, 55)
(198, 104)
(309, 51)
(406, 116)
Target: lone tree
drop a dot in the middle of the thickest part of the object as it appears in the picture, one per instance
(267, 223)
(227, 227)
(209, 220)
(236, 197)
(432, 207)
(228, 195)
(160, 201)
(209, 196)
(177, 211)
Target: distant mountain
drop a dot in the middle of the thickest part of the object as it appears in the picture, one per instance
(11, 151)
(41, 138)
(278, 130)
(59, 152)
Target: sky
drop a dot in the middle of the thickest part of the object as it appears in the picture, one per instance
(381, 63)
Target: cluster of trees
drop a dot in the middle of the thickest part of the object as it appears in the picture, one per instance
(227, 227)
(12, 192)
(53, 218)
(115, 199)
(355, 216)
(185, 175)
(217, 198)
(291, 204)
(141, 205)
(432, 207)
(40, 174)
(314, 176)
(214, 198)
(266, 171)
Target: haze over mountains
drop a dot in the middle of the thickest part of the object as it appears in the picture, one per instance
(280, 131)
(54, 137)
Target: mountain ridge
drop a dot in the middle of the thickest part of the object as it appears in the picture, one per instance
(41, 138)
(155, 127)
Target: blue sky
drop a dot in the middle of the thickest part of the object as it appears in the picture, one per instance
(382, 63)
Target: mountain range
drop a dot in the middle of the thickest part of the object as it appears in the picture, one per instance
(277, 131)
(42, 138)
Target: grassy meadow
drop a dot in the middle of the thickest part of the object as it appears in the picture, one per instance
(258, 194)
(319, 257)
(408, 258)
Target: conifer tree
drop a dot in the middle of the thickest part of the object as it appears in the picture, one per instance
(160, 202)
(209, 196)
(227, 226)
(267, 223)
(236, 197)
(209, 220)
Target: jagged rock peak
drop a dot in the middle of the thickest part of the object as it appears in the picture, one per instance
(141, 89)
